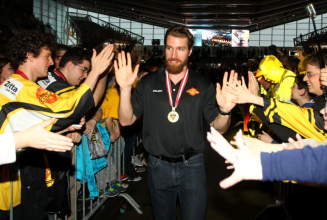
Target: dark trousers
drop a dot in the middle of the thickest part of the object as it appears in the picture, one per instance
(186, 180)
(5, 215)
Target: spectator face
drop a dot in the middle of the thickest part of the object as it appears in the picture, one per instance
(77, 72)
(41, 63)
(296, 92)
(7, 70)
(177, 54)
(264, 83)
(324, 114)
(57, 58)
(312, 79)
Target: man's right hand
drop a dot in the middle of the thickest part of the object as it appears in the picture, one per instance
(125, 76)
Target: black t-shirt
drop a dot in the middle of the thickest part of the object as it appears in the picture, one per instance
(161, 137)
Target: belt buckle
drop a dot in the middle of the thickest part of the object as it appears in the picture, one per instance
(172, 160)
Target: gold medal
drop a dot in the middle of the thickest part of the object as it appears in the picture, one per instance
(173, 116)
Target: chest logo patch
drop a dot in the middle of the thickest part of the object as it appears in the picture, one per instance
(192, 91)
(45, 96)
(10, 88)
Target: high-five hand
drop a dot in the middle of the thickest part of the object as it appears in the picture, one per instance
(101, 61)
(247, 163)
(125, 76)
(224, 98)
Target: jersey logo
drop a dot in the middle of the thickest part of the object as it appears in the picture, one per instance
(11, 88)
(45, 96)
(192, 91)
(46, 82)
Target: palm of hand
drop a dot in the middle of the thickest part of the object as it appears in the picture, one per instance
(225, 99)
(229, 97)
(125, 77)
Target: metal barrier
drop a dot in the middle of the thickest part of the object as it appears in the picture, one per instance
(94, 205)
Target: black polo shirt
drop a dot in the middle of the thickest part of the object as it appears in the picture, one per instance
(161, 137)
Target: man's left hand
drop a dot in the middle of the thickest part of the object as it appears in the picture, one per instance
(224, 98)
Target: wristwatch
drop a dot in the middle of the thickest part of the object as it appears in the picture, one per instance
(224, 113)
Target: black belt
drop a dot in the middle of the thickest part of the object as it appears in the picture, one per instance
(181, 158)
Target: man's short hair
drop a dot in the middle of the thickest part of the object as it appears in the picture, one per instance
(61, 47)
(180, 31)
(75, 55)
(28, 42)
(314, 60)
(272, 50)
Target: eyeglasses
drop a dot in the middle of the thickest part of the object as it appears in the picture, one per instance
(311, 74)
(85, 70)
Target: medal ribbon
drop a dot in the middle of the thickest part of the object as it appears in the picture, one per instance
(180, 90)
(21, 73)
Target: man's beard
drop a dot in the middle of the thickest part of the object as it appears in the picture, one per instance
(175, 69)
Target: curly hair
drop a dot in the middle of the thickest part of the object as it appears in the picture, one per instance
(28, 42)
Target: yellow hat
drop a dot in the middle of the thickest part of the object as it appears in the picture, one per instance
(302, 67)
(258, 73)
(272, 69)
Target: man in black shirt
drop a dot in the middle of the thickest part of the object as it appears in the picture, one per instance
(173, 101)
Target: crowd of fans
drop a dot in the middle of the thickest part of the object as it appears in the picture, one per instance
(270, 80)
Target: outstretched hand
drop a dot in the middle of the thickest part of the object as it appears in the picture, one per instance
(101, 61)
(240, 91)
(299, 144)
(38, 137)
(89, 126)
(253, 84)
(265, 137)
(125, 76)
(247, 163)
(225, 99)
(254, 144)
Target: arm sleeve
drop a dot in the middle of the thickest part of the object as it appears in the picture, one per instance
(74, 107)
(210, 108)
(300, 120)
(302, 165)
(33, 104)
(7, 149)
(138, 100)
